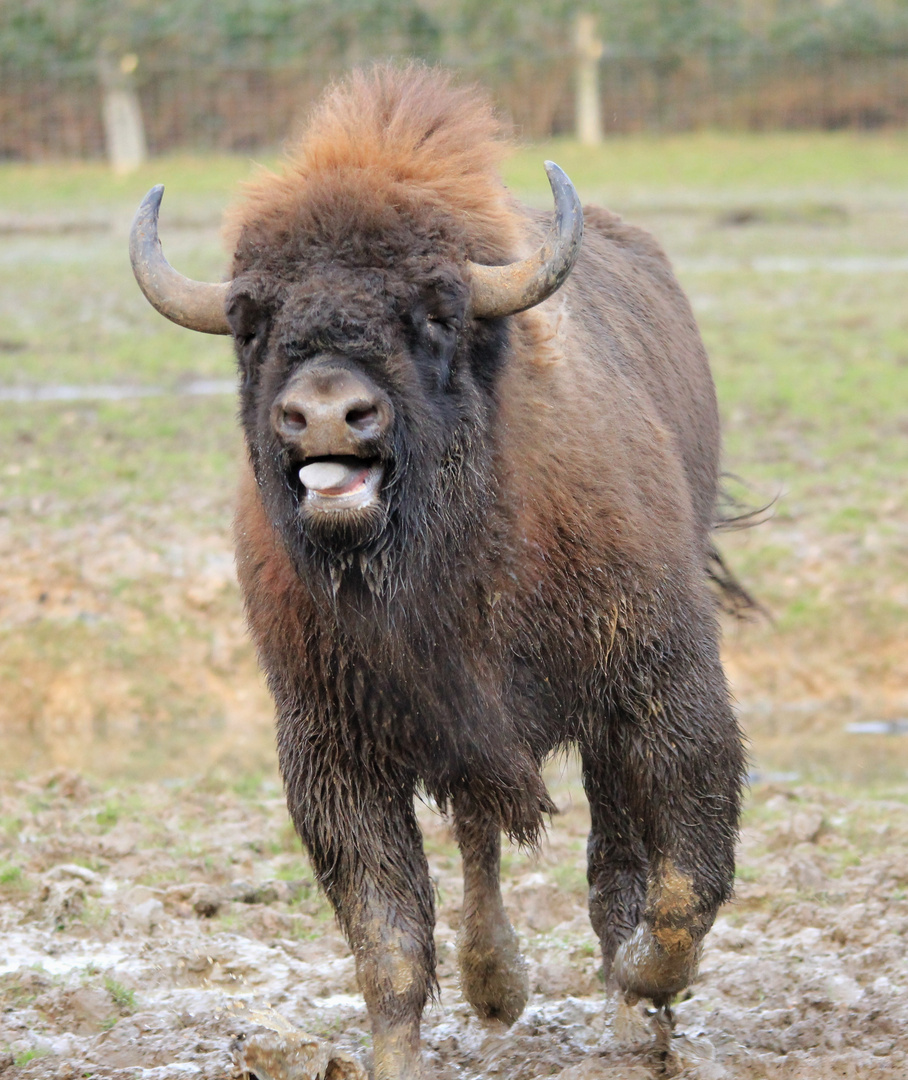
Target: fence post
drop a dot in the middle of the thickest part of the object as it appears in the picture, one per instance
(124, 131)
(588, 53)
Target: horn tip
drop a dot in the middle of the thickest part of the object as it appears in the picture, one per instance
(558, 178)
(154, 196)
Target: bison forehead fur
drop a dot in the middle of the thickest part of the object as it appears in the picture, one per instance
(466, 542)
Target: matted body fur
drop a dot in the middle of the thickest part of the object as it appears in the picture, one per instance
(533, 576)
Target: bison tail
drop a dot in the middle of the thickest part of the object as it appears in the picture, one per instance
(731, 595)
(734, 513)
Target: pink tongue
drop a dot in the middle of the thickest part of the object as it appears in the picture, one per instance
(331, 476)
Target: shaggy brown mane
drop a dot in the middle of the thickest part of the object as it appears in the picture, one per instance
(392, 137)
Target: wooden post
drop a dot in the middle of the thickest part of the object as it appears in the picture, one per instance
(124, 132)
(588, 51)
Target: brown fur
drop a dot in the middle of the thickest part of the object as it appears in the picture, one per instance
(537, 575)
(390, 138)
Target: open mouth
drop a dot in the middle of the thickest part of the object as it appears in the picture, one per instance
(340, 482)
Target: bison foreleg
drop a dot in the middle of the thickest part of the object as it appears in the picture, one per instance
(367, 852)
(492, 972)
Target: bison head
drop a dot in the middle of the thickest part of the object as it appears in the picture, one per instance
(367, 362)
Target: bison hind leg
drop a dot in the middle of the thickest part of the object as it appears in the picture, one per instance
(493, 973)
(617, 863)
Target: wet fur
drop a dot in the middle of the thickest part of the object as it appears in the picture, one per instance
(539, 576)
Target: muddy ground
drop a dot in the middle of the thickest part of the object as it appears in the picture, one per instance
(156, 930)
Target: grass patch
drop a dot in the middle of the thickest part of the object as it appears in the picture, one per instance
(569, 878)
(9, 874)
(109, 814)
(747, 874)
(16, 992)
(25, 1056)
(122, 996)
(296, 870)
(712, 162)
(127, 454)
(10, 826)
(12, 879)
(286, 841)
(90, 188)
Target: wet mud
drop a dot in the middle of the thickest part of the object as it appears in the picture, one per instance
(173, 930)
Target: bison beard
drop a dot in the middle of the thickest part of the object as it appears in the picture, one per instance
(476, 529)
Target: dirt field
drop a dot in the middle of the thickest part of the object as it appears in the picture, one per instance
(167, 931)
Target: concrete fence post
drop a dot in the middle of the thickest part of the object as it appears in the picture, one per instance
(124, 131)
(588, 52)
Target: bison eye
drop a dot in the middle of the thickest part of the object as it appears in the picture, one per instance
(441, 329)
(439, 344)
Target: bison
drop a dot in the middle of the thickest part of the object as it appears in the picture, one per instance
(475, 528)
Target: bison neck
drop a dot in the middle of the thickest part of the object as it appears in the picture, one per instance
(416, 671)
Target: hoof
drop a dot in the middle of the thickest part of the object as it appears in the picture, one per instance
(649, 967)
(493, 977)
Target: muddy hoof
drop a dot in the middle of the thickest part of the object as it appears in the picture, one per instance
(283, 1052)
(646, 968)
(297, 1056)
(493, 977)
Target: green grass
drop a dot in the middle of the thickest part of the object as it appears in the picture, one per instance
(709, 163)
(10, 826)
(570, 878)
(706, 162)
(121, 453)
(12, 879)
(122, 996)
(25, 1056)
(109, 814)
(91, 190)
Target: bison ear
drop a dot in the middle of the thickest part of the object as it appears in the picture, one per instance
(249, 322)
(247, 317)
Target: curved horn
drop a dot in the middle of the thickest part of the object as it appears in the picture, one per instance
(196, 305)
(505, 290)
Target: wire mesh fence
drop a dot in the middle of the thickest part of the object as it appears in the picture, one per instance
(253, 107)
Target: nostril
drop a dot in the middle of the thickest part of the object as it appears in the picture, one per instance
(293, 419)
(361, 416)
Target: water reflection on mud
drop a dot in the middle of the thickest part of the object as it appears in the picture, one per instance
(25, 395)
